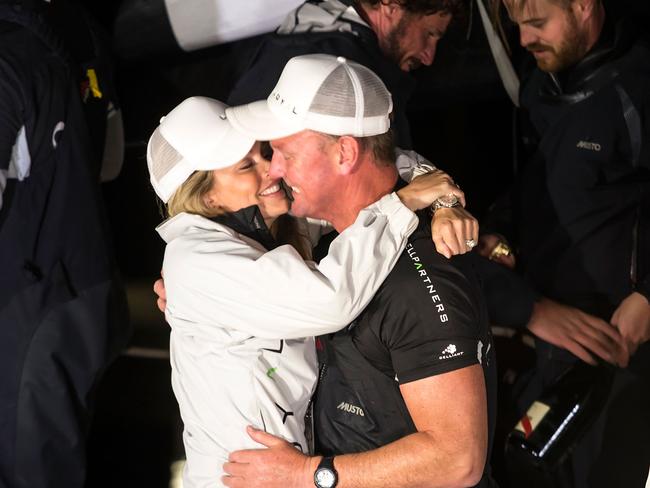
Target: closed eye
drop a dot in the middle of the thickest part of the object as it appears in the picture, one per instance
(246, 164)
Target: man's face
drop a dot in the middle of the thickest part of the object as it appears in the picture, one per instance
(551, 33)
(306, 163)
(412, 41)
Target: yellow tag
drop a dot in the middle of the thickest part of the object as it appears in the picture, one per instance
(94, 85)
(533, 417)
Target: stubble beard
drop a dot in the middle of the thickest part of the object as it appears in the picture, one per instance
(392, 45)
(570, 51)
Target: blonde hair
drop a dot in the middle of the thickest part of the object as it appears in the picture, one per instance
(190, 198)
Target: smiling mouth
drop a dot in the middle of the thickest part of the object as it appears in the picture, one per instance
(271, 190)
(287, 190)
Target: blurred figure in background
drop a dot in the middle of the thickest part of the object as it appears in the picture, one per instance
(63, 314)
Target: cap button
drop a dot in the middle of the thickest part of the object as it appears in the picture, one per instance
(341, 59)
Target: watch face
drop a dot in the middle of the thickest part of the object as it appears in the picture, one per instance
(448, 200)
(324, 478)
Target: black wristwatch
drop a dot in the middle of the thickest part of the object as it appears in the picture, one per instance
(325, 475)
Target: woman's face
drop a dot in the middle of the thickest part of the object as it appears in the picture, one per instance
(247, 183)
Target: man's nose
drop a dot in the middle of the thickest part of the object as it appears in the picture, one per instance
(526, 37)
(428, 55)
(276, 167)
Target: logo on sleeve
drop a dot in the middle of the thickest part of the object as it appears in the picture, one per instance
(431, 289)
(589, 146)
(451, 351)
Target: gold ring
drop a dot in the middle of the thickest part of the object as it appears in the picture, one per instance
(501, 249)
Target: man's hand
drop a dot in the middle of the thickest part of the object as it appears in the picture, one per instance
(451, 228)
(632, 319)
(487, 247)
(159, 289)
(425, 189)
(280, 465)
(577, 332)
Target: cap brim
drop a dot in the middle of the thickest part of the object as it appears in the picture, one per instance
(216, 153)
(256, 120)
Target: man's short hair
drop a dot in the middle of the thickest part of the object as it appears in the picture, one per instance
(381, 145)
(423, 7)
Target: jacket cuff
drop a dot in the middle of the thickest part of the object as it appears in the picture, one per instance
(399, 215)
(643, 287)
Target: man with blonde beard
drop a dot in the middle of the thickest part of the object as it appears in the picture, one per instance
(582, 218)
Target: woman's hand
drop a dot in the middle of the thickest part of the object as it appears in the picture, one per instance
(159, 290)
(454, 231)
(423, 190)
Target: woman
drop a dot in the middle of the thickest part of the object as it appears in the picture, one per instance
(243, 310)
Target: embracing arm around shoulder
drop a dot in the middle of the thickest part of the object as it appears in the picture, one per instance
(276, 295)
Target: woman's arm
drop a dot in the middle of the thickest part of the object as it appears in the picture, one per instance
(231, 281)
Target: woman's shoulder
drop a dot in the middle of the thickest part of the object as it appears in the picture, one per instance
(190, 226)
(195, 240)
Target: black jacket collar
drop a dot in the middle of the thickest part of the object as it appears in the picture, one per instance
(249, 222)
(597, 69)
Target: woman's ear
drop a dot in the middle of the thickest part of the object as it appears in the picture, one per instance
(349, 154)
(210, 200)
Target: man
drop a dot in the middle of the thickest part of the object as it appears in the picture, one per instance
(582, 216)
(62, 310)
(411, 382)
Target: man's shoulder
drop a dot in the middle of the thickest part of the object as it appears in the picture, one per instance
(420, 258)
(349, 44)
(424, 280)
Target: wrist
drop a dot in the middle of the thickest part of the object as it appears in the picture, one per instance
(325, 475)
(643, 289)
(407, 199)
(445, 202)
(312, 466)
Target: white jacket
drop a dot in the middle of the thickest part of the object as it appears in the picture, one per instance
(243, 321)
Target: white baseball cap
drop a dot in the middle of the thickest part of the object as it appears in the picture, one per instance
(196, 135)
(319, 92)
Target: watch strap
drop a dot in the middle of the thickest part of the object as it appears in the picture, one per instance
(327, 462)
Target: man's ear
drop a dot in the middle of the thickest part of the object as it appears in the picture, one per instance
(390, 10)
(584, 9)
(349, 154)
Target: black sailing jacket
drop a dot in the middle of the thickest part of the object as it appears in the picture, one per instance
(583, 200)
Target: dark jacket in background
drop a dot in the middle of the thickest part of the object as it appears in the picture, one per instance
(62, 310)
(581, 215)
(582, 204)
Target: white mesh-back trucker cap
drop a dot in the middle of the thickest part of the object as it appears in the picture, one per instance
(319, 92)
(196, 135)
